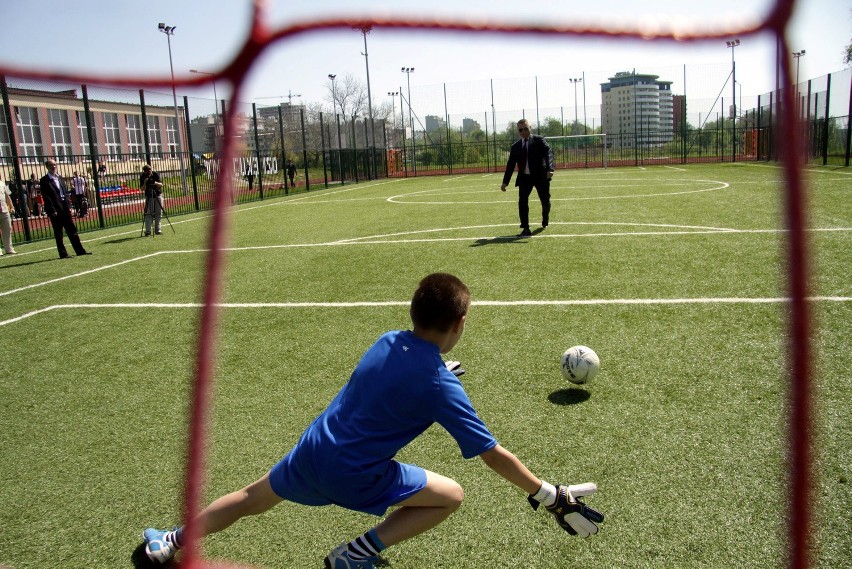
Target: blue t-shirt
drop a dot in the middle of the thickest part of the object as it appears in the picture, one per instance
(399, 389)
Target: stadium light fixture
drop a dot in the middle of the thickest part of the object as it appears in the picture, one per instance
(733, 44)
(392, 95)
(170, 31)
(364, 31)
(798, 55)
(408, 71)
(575, 80)
(332, 77)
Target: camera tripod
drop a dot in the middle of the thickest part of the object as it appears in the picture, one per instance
(152, 204)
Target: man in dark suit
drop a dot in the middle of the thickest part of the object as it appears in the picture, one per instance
(534, 159)
(57, 205)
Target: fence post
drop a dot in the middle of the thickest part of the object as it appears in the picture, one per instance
(449, 140)
(256, 151)
(283, 151)
(825, 130)
(322, 144)
(305, 149)
(192, 171)
(93, 154)
(354, 149)
(370, 175)
(145, 127)
(849, 125)
(13, 146)
(760, 137)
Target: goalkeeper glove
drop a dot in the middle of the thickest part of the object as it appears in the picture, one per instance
(455, 367)
(570, 512)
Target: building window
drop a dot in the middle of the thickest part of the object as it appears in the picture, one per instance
(155, 142)
(60, 134)
(171, 133)
(112, 140)
(82, 129)
(5, 145)
(29, 134)
(134, 135)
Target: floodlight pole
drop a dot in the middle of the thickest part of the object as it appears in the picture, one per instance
(364, 31)
(392, 95)
(733, 44)
(575, 80)
(798, 55)
(170, 31)
(408, 71)
(332, 77)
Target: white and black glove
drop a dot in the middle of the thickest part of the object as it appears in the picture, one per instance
(455, 367)
(570, 512)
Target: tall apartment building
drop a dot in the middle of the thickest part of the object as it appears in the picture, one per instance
(637, 110)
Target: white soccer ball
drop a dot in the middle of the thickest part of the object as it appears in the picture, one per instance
(580, 364)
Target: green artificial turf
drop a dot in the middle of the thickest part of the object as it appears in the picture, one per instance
(672, 275)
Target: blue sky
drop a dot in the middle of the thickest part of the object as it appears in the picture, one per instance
(121, 37)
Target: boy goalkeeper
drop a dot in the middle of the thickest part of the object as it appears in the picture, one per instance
(346, 456)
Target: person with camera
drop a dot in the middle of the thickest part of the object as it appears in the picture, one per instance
(150, 183)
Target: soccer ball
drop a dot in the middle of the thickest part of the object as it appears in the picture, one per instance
(580, 364)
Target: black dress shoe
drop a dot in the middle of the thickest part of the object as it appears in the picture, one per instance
(525, 233)
(544, 223)
(84, 253)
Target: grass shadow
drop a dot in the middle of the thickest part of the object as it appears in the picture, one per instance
(505, 239)
(569, 396)
(140, 561)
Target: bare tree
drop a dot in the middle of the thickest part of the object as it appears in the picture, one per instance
(348, 96)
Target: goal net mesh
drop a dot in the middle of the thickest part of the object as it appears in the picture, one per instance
(261, 37)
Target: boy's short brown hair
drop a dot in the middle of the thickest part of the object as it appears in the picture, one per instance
(439, 301)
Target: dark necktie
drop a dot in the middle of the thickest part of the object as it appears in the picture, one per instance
(522, 166)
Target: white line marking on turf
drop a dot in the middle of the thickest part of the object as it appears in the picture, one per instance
(673, 168)
(402, 303)
(383, 239)
(718, 185)
(95, 270)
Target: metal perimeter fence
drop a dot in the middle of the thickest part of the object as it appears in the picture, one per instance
(106, 135)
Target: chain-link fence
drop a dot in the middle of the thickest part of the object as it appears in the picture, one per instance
(105, 135)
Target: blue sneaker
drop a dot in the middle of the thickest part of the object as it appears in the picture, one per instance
(339, 559)
(157, 547)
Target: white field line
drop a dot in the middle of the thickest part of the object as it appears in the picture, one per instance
(403, 303)
(385, 239)
(817, 170)
(95, 270)
(198, 216)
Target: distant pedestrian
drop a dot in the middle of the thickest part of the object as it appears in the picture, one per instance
(6, 209)
(78, 182)
(291, 173)
(34, 199)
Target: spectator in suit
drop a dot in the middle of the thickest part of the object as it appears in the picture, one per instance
(534, 159)
(33, 196)
(57, 205)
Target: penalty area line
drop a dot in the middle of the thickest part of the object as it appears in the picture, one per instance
(405, 303)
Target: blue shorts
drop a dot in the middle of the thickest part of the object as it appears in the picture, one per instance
(371, 492)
